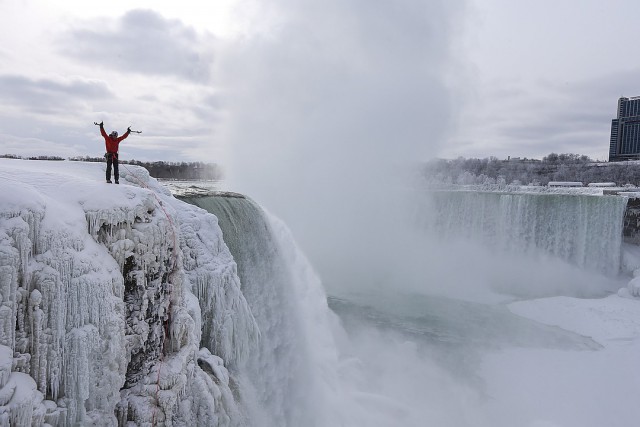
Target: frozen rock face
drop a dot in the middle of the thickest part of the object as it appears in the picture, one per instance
(20, 401)
(633, 287)
(98, 322)
(59, 299)
(229, 329)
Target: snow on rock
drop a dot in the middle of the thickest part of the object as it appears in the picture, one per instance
(99, 324)
(633, 288)
(21, 404)
(630, 261)
(228, 327)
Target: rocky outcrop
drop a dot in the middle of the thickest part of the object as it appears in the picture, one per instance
(631, 226)
(98, 321)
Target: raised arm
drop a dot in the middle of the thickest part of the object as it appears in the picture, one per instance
(102, 132)
(126, 134)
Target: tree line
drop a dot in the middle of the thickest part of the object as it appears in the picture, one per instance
(553, 167)
(157, 169)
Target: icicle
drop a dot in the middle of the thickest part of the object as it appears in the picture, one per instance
(228, 326)
(6, 321)
(20, 403)
(38, 341)
(6, 360)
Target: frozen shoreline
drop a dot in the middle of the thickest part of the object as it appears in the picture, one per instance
(563, 388)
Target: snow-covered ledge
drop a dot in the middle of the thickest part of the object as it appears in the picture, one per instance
(98, 321)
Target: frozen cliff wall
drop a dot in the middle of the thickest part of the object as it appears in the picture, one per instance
(98, 321)
(631, 230)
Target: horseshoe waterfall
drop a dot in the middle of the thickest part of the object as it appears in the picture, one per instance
(126, 305)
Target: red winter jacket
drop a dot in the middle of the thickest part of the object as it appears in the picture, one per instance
(112, 144)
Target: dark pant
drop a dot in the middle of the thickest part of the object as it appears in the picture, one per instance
(112, 158)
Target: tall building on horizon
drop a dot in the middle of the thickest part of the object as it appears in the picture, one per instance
(625, 131)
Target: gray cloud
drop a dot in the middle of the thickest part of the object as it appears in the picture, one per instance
(542, 118)
(142, 41)
(25, 135)
(48, 95)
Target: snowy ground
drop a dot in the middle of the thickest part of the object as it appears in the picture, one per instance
(565, 388)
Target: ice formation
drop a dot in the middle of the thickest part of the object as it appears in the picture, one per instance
(100, 323)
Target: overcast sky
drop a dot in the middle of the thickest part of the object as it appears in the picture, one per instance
(399, 79)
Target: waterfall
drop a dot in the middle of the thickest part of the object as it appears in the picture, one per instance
(583, 230)
(277, 383)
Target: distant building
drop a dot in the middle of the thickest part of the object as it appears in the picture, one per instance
(625, 131)
(564, 184)
(602, 184)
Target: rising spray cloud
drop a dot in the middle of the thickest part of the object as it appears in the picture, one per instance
(327, 110)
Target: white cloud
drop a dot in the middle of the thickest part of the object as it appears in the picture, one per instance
(142, 41)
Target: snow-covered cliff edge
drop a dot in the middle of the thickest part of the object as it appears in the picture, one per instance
(100, 315)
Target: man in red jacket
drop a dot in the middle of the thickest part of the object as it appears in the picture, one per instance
(112, 142)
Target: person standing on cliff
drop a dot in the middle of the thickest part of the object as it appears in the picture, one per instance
(112, 142)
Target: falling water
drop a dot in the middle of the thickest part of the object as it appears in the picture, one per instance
(275, 383)
(584, 230)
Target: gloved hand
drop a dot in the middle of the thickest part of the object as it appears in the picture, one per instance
(129, 129)
(101, 124)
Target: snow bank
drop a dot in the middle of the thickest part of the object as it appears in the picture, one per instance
(536, 387)
(98, 321)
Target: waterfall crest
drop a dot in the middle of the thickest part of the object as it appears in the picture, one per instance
(277, 381)
(584, 230)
